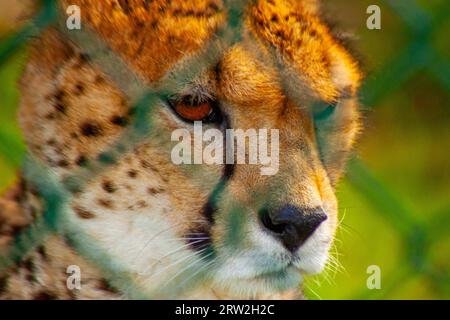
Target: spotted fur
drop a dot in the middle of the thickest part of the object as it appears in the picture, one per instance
(154, 218)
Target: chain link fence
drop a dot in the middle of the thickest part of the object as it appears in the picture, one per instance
(418, 56)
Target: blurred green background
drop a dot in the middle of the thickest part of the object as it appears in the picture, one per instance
(395, 201)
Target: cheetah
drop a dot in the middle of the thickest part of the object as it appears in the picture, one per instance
(140, 226)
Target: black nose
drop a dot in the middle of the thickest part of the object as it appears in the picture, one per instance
(292, 225)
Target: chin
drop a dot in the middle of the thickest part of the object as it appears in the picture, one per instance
(313, 255)
(268, 270)
(261, 286)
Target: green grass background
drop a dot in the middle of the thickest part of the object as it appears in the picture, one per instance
(395, 204)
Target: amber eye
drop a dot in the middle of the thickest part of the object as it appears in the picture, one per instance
(191, 111)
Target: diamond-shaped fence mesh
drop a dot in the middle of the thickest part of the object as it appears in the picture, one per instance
(418, 55)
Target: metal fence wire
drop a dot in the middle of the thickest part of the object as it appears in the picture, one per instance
(419, 55)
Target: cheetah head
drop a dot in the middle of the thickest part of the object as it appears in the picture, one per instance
(206, 229)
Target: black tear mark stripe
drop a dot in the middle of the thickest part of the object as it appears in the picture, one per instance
(211, 205)
(200, 237)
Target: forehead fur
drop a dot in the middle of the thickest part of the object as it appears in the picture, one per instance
(154, 35)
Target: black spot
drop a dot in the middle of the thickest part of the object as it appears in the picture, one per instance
(218, 68)
(99, 79)
(145, 164)
(83, 214)
(28, 265)
(63, 163)
(132, 173)
(313, 33)
(59, 95)
(91, 129)
(43, 252)
(119, 121)
(147, 4)
(142, 204)
(60, 107)
(154, 191)
(260, 23)
(324, 59)
(81, 161)
(108, 186)
(13, 231)
(213, 6)
(34, 191)
(79, 89)
(280, 35)
(31, 277)
(124, 4)
(45, 295)
(85, 58)
(50, 116)
(105, 203)
(154, 24)
(140, 24)
(172, 38)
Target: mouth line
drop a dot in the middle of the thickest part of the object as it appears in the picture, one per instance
(278, 273)
(271, 275)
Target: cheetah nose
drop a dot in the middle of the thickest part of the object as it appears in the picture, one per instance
(292, 225)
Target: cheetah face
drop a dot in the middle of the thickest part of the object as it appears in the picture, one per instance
(265, 232)
(225, 229)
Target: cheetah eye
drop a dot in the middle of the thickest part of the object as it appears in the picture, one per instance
(190, 110)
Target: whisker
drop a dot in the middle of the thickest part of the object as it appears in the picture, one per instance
(153, 237)
(176, 263)
(204, 268)
(170, 253)
(313, 292)
(192, 254)
(186, 268)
